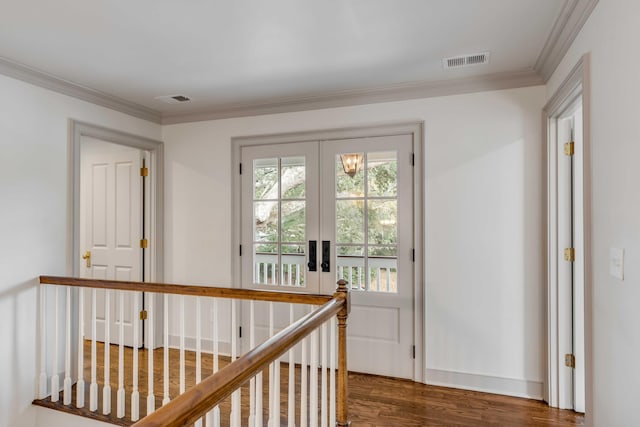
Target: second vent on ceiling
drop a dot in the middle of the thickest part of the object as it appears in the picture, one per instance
(173, 99)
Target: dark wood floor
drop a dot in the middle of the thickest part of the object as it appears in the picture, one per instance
(373, 400)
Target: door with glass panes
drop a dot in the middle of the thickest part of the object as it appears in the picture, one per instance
(354, 197)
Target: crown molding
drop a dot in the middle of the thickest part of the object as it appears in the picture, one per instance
(45, 80)
(572, 17)
(390, 93)
(565, 29)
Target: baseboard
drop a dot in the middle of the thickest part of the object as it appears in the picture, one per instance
(485, 383)
(224, 347)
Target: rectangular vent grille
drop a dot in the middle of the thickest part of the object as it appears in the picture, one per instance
(173, 99)
(462, 61)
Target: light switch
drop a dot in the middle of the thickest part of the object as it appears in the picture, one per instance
(616, 263)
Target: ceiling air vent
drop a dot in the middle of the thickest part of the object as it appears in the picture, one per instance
(462, 61)
(173, 99)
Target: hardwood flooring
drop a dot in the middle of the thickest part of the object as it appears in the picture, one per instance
(373, 400)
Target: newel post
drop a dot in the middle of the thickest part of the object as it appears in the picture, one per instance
(342, 410)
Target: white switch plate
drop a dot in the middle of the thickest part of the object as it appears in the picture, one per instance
(616, 263)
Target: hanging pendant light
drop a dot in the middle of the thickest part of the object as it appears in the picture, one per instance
(352, 163)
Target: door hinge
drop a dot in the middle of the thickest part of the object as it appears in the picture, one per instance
(569, 148)
(144, 243)
(570, 254)
(144, 171)
(143, 315)
(413, 255)
(414, 351)
(240, 168)
(570, 360)
(240, 250)
(413, 159)
(240, 332)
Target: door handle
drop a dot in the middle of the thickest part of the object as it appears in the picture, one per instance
(313, 256)
(87, 258)
(326, 256)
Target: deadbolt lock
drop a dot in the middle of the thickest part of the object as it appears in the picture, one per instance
(87, 258)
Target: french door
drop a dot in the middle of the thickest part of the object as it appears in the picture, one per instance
(318, 211)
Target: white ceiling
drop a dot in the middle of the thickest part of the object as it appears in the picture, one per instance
(228, 53)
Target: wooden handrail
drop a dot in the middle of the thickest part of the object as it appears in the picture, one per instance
(195, 402)
(199, 291)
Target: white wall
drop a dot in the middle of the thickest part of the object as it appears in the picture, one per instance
(33, 221)
(611, 35)
(484, 225)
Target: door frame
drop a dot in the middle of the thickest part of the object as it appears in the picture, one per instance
(415, 129)
(574, 87)
(155, 263)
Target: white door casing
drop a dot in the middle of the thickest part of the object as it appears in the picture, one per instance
(110, 229)
(569, 289)
(381, 332)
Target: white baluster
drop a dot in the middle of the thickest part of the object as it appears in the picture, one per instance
(80, 383)
(259, 410)
(291, 414)
(323, 395)
(332, 372)
(135, 394)
(276, 392)
(182, 367)
(42, 389)
(213, 416)
(378, 278)
(297, 274)
(93, 388)
(67, 358)
(151, 399)
(313, 383)
(304, 389)
(120, 395)
(55, 378)
(198, 423)
(388, 270)
(359, 278)
(271, 372)
(252, 382)
(235, 397)
(165, 359)
(106, 389)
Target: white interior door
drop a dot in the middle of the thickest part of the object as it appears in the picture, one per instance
(297, 199)
(571, 379)
(111, 213)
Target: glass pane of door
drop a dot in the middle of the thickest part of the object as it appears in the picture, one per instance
(366, 220)
(280, 208)
(279, 221)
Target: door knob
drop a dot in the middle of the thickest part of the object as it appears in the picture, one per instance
(326, 256)
(312, 256)
(87, 258)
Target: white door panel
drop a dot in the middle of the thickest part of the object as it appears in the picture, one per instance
(111, 228)
(376, 256)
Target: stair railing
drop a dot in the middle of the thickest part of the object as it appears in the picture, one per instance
(322, 401)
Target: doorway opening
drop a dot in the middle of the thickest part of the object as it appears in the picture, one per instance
(117, 223)
(324, 206)
(568, 249)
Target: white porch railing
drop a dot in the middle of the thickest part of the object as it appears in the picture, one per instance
(382, 271)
